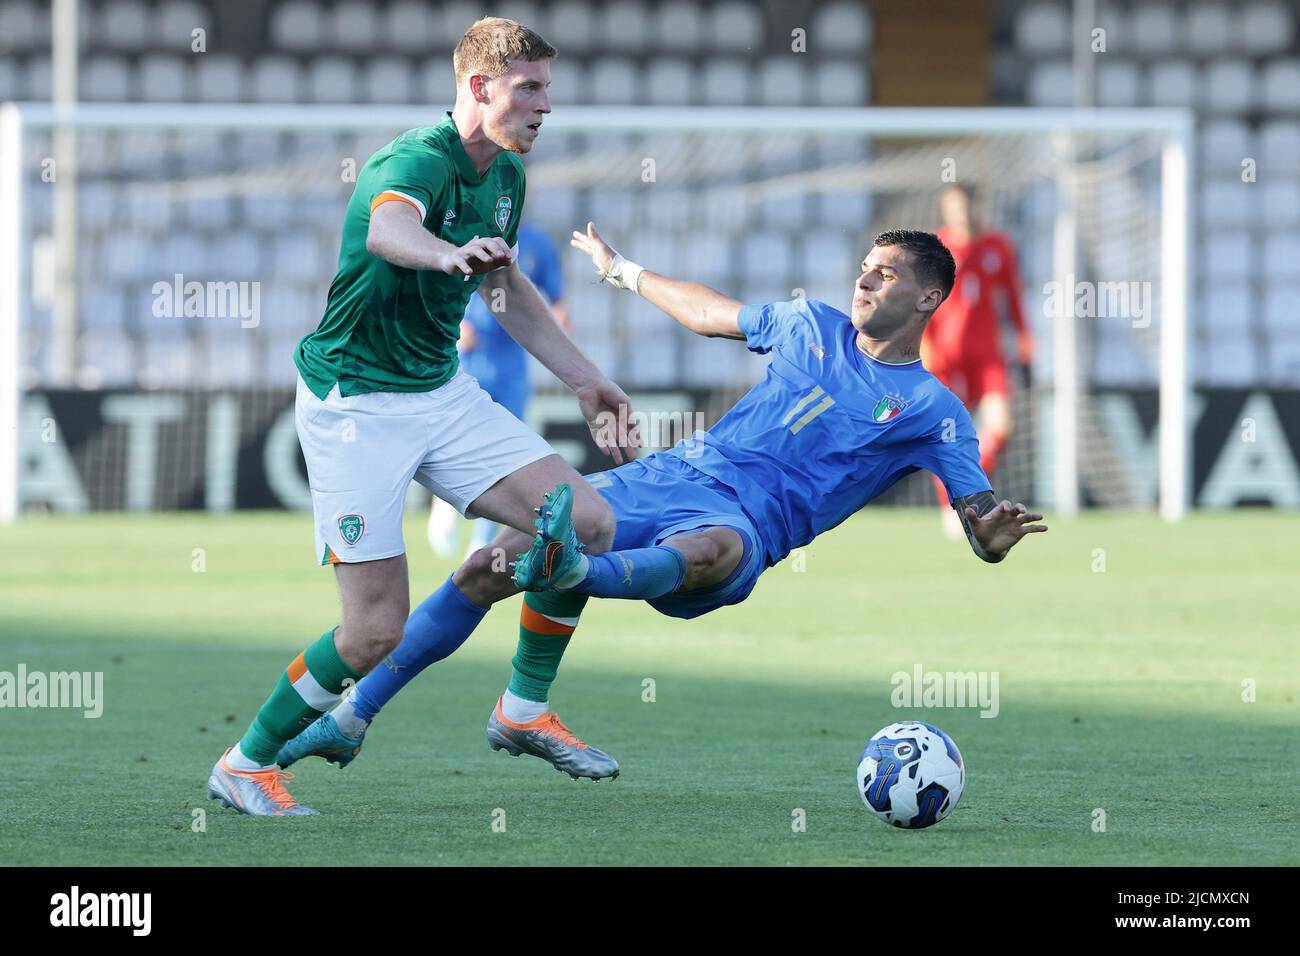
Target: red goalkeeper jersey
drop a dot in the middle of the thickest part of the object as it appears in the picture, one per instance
(964, 330)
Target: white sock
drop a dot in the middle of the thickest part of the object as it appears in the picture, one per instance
(236, 760)
(521, 711)
(574, 575)
(346, 716)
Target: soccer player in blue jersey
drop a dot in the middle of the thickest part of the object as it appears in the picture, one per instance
(845, 410)
(500, 366)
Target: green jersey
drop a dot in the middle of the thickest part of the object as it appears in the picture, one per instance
(389, 329)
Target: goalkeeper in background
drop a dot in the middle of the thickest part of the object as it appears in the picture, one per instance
(962, 345)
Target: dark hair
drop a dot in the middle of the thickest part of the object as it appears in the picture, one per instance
(931, 260)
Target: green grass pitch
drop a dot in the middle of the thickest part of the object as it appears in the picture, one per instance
(1121, 690)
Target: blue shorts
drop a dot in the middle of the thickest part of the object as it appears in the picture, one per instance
(659, 496)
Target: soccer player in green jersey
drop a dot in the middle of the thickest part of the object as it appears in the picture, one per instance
(381, 399)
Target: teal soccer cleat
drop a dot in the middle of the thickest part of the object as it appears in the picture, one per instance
(555, 548)
(322, 739)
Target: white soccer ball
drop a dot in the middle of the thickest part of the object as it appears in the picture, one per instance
(911, 774)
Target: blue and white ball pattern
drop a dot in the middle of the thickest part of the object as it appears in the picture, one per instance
(911, 774)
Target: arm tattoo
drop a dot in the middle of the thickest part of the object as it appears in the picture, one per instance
(983, 502)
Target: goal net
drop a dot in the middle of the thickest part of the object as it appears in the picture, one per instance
(161, 262)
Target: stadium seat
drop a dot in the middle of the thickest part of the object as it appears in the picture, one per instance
(331, 79)
(175, 22)
(653, 360)
(354, 27)
(849, 211)
(711, 261)
(218, 78)
(735, 27)
(1224, 361)
(553, 208)
(1230, 86)
(620, 26)
(781, 82)
(213, 213)
(410, 26)
(1266, 28)
(276, 79)
(571, 27)
(1281, 255)
(1281, 81)
(38, 80)
(102, 307)
(825, 256)
(784, 213)
(1119, 83)
(1043, 28)
(1174, 83)
(106, 359)
(840, 83)
(671, 82)
(122, 25)
(611, 210)
(97, 206)
(678, 27)
(105, 78)
(387, 80)
(842, 27)
(1281, 311)
(615, 81)
(1051, 83)
(1224, 144)
(1155, 30)
(1282, 360)
(227, 356)
(21, 26)
(167, 360)
(1229, 254)
(726, 82)
(1228, 202)
(1229, 304)
(298, 25)
(1279, 201)
(1279, 146)
(766, 253)
(569, 84)
(296, 255)
(237, 256)
(1210, 28)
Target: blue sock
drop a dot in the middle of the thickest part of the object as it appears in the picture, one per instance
(437, 627)
(636, 573)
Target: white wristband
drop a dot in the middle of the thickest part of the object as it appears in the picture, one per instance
(623, 274)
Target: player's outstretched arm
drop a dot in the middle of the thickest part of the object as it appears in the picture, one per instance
(994, 528)
(528, 320)
(397, 235)
(703, 310)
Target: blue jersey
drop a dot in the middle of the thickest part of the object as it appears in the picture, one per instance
(499, 362)
(829, 428)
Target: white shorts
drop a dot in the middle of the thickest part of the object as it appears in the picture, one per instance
(362, 452)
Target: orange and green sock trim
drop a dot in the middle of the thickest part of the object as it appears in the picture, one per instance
(546, 623)
(310, 685)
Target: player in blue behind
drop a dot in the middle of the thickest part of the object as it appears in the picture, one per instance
(845, 410)
(500, 366)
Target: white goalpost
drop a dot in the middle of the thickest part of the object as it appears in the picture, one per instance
(763, 203)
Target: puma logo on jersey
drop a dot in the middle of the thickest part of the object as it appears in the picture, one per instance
(817, 350)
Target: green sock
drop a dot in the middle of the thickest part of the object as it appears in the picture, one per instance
(310, 686)
(546, 623)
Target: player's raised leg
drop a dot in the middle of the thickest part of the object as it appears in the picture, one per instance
(445, 619)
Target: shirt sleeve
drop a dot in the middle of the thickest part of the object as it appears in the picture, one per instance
(419, 179)
(954, 454)
(767, 326)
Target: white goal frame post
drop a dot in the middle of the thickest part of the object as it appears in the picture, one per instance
(1176, 230)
